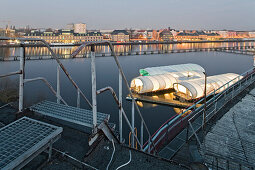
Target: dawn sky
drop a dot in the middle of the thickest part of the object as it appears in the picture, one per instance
(120, 14)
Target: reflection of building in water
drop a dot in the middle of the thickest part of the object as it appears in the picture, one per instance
(65, 36)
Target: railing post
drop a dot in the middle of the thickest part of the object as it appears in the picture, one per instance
(149, 144)
(233, 91)
(133, 123)
(21, 77)
(78, 98)
(204, 113)
(187, 133)
(58, 84)
(94, 99)
(141, 137)
(120, 110)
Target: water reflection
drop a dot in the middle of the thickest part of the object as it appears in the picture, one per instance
(66, 51)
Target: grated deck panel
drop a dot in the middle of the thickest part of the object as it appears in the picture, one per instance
(22, 139)
(69, 113)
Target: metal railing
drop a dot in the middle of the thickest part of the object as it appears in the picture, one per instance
(22, 71)
(193, 122)
(79, 92)
(86, 54)
(121, 110)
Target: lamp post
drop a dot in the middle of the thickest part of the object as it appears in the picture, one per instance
(204, 113)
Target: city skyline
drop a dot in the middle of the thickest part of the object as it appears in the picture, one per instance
(114, 14)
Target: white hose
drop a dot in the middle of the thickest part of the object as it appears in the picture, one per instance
(111, 156)
(5, 105)
(69, 156)
(127, 162)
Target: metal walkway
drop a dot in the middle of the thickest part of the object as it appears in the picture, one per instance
(23, 140)
(68, 113)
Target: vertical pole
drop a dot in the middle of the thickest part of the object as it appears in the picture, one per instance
(94, 100)
(187, 133)
(58, 84)
(133, 123)
(21, 78)
(149, 149)
(141, 139)
(78, 98)
(120, 110)
(204, 113)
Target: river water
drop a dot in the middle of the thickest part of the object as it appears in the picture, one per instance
(107, 75)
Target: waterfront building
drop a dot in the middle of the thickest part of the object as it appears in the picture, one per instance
(107, 34)
(2, 32)
(139, 35)
(196, 36)
(80, 28)
(223, 33)
(231, 34)
(252, 34)
(166, 35)
(120, 36)
(65, 36)
(242, 34)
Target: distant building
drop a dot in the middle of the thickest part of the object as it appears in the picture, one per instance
(223, 34)
(196, 36)
(166, 35)
(70, 26)
(65, 36)
(252, 34)
(2, 32)
(120, 36)
(242, 34)
(80, 28)
(107, 34)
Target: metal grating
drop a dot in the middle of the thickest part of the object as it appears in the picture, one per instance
(23, 138)
(68, 113)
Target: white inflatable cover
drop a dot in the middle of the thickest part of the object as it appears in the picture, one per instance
(171, 68)
(195, 88)
(144, 84)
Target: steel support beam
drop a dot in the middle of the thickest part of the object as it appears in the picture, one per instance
(133, 123)
(94, 91)
(21, 78)
(120, 110)
(58, 84)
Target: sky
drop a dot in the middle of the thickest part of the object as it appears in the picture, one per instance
(140, 14)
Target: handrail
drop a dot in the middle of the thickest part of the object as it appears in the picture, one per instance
(10, 74)
(122, 74)
(48, 85)
(120, 108)
(56, 58)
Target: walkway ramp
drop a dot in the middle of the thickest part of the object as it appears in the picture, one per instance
(23, 140)
(70, 114)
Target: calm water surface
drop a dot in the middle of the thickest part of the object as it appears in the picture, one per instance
(107, 75)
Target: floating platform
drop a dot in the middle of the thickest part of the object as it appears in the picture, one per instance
(162, 99)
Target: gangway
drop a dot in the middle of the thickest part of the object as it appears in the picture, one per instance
(23, 140)
(71, 114)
